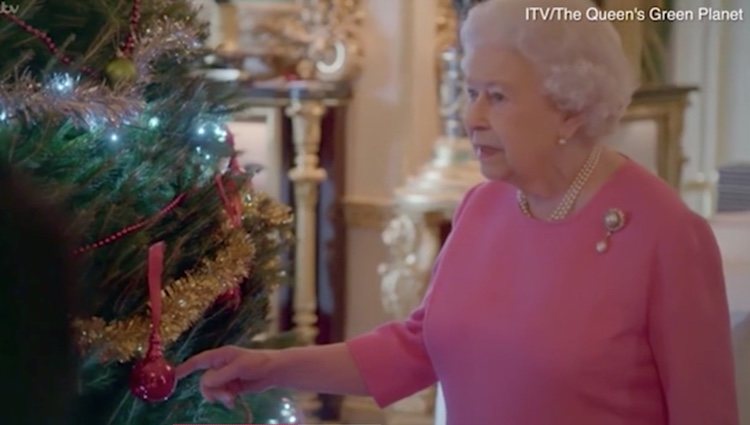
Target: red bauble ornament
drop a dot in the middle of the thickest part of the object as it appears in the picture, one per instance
(291, 76)
(230, 299)
(153, 379)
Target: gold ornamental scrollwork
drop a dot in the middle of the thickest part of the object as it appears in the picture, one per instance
(446, 26)
(316, 39)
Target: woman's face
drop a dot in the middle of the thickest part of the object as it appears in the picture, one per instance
(514, 128)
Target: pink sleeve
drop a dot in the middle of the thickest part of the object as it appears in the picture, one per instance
(689, 327)
(393, 359)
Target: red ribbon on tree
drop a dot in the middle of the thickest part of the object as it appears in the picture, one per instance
(231, 200)
(230, 197)
(233, 164)
(153, 378)
(228, 192)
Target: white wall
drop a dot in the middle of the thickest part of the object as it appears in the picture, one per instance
(391, 125)
(715, 57)
(735, 144)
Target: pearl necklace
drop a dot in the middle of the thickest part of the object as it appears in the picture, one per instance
(571, 195)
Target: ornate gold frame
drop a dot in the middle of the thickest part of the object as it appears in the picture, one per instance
(665, 105)
(316, 39)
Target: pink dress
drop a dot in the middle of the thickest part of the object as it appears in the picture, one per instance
(525, 323)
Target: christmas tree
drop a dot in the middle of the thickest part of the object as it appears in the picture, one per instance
(102, 104)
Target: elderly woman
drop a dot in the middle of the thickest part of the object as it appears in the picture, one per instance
(575, 287)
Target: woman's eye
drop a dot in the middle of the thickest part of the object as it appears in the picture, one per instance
(497, 97)
(473, 94)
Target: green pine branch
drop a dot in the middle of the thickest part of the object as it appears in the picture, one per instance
(109, 177)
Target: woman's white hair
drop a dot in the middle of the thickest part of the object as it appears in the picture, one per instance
(582, 63)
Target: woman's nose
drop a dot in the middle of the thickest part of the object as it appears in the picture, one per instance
(475, 114)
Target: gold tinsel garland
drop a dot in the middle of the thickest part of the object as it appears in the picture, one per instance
(184, 301)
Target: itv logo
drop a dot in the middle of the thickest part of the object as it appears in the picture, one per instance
(6, 8)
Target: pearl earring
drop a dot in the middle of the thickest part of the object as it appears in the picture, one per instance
(562, 141)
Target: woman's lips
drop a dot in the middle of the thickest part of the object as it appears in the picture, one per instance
(484, 151)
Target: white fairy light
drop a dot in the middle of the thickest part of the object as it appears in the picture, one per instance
(63, 83)
(212, 128)
(220, 133)
(288, 412)
(153, 122)
(94, 122)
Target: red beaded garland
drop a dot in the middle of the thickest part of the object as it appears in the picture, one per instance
(135, 16)
(44, 38)
(130, 229)
(127, 46)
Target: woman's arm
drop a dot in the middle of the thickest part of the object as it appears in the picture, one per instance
(388, 363)
(689, 328)
(230, 371)
(324, 369)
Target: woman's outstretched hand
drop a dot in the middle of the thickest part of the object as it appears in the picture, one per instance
(230, 371)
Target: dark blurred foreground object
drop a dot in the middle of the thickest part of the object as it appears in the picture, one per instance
(37, 358)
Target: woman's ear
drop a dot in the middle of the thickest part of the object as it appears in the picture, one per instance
(572, 122)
